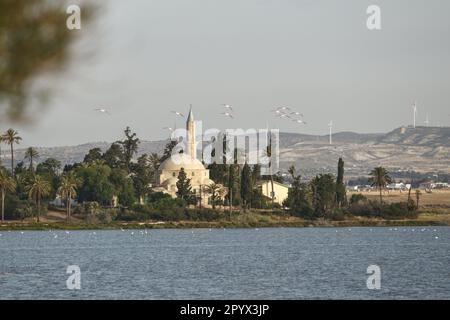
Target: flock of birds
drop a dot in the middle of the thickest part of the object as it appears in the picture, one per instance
(283, 112)
(288, 114)
(144, 232)
(228, 111)
(279, 112)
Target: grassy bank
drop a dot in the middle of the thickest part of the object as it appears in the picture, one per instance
(245, 220)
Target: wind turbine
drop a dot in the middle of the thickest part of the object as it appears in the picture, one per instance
(330, 125)
(414, 107)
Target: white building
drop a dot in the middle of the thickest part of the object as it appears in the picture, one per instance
(167, 176)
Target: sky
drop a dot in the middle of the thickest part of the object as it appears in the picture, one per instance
(142, 59)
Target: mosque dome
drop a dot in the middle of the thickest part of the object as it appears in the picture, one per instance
(178, 161)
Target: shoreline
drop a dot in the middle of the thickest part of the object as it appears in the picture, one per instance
(45, 226)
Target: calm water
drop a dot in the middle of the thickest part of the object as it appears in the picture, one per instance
(282, 263)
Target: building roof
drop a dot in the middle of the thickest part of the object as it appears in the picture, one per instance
(181, 160)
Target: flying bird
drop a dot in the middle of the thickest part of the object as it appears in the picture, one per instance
(227, 106)
(283, 108)
(297, 113)
(299, 121)
(283, 115)
(178, 113)
(102, 110)
(168, 128)
(227, 114)
(278, 112)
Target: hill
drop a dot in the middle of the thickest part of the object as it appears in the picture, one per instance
(422, 149)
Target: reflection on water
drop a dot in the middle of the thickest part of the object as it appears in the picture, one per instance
(288, 263)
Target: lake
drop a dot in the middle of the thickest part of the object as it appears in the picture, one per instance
(272, 263)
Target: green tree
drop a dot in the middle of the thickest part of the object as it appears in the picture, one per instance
(11, 137)
(68, 190)
(96, 185)
(234, 194)
(143, 176)
(341, 197)
(123, 186)
(50, 165)
(154, 161)
(114, 157)
(50, 170)
(418, 194)
(323, 188)
(93, 155)
(297, 200)
(184, 189)
(37, 189)
(168, 150)
(216, 192)
(218, 172)
(7, 184)
(246, 185)
(130, 146)
(379, 177)
(31, 154)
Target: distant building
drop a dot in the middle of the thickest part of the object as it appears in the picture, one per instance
(434, 185)
(167, 176)
(398, 186)
(280, 190)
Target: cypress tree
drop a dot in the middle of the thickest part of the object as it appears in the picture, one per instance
(340, 188)
(246, 185)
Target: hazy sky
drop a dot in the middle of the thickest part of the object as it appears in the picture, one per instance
(141, 59)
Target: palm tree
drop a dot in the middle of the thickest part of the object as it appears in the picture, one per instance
(38, 188)
(379, 177)
(154, 161)
(11, 137)
(31, 154)
(68, 189)
(7, 184)
(216, 191)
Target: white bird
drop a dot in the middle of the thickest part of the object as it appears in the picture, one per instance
(102, 110)
(227, 106)
(299, 121)
(297, 113)
(227, 114)
(277, 112)
(168, 128)
(283, 115)
(178, 113)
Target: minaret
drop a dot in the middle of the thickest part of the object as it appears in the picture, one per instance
(190, 129)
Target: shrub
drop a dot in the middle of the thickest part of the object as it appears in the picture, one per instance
(358, 197)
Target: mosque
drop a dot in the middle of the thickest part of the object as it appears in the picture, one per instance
(167, 176)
